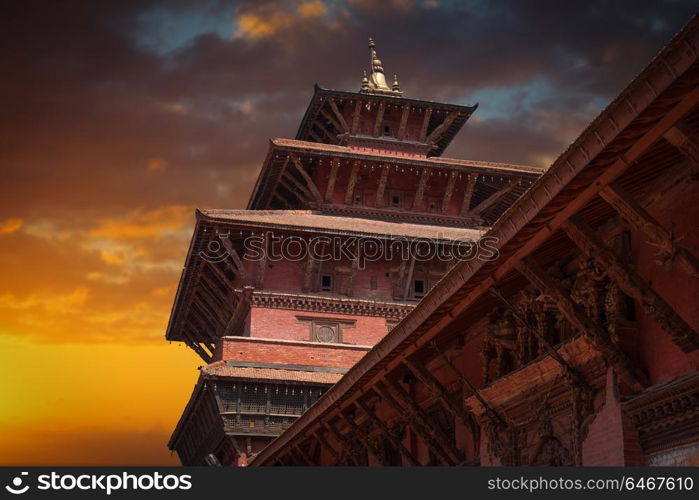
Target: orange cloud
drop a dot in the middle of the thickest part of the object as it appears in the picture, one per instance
(150, 224)
(11, 225)
(313, 8)
(269, 20)
(157, 164)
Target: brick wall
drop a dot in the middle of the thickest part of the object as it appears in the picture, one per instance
(612, 439)
(288, 352)
(284, 324)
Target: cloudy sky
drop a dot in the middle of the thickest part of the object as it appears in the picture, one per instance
(119, 117)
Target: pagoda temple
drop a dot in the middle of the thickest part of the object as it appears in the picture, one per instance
(348, 227)
(578, 344)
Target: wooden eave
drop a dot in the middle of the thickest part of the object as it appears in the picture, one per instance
(280, 149)
(320, 94)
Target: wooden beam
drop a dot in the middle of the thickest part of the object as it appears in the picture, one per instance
(234, 257)
(381, 189)
(421, 422)
(421, 185)
(315, 136)
(212, 311)
(397, 443)
(340, 118)
(682, 334)
(325, 444)
(379, 119)
(403, 122)
(334, 166)
(192, 344)
(425, 125)
(304, 456)
(351, 183)
(355, 116)
(297, 188)
(363, 437)
(442, 127)
(492, 415)
(221, 275)
(242, 307)
(332, 138)
(683, 139)
(449, 191)
(597, 336)
(311, 185)
(355, 452)
(440, 392)
(633, 213)
(282, 200)
(468, 193)
(492, 199)
(331, 119)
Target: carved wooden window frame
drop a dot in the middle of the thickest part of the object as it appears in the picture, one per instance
(317, 324)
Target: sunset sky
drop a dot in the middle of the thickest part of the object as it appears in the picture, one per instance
(119, 117)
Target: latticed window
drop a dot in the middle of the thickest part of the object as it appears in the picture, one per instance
(229, 397)
(253, 398)
(285, 400)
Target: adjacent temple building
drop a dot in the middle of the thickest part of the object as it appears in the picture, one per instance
(575, 343)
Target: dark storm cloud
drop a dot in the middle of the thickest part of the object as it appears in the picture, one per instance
(111, 106)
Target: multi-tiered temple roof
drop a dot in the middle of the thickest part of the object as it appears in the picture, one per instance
(276, 332)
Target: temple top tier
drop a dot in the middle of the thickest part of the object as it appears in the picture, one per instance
(378, 117)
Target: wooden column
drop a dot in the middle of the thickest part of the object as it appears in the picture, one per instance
(308, 274)
(334, 166)
(597, 336)
(403, 121)
(381, 189)
(425, 125)
(355, 116)
(351, 183)
(468, 193)
(682, 334)
(420, 192)
(379, 119)
(409, 279)
(633, 213)
(261, 264)
(449, 191)
(397, 443)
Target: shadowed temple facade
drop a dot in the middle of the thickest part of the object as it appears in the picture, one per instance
(379, 304)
